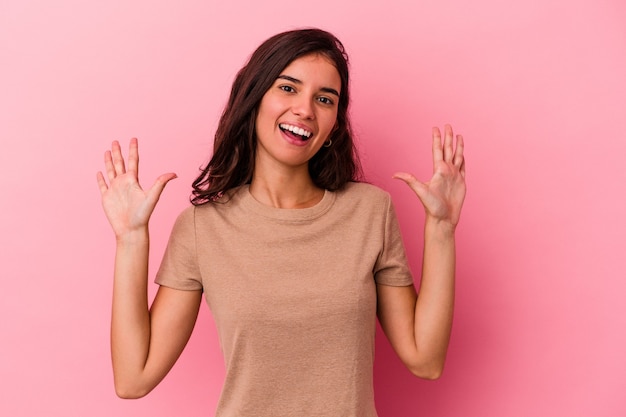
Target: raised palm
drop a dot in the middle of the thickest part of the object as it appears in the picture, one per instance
(442, 196)
(127, 206)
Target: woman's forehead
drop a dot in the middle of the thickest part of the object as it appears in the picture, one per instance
(315, 69)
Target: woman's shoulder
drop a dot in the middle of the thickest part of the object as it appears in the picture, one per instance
(209, 211)
(365, 190)
(226, 198)
(186, 214)
(362, 192)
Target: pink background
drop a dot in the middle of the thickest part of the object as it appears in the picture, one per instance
(538, 89)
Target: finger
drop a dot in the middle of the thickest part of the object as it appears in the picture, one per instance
(108, 165)
(118, 160)
(133, 156)
(404, 176)
(437, 149)
(458, 154)
(416, 185)
(462, 169)
(448, 151)
(157, 188)
(101, 182)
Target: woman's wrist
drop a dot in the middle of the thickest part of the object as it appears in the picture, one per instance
(131, 237)
(439, 228)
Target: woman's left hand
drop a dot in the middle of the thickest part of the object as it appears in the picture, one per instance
(442, 196)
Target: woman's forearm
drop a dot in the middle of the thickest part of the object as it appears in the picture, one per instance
(130, 321)
(435, 303)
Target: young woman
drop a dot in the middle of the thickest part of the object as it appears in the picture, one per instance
(295, 257)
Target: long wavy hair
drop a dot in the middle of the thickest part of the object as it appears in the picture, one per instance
(234, 149)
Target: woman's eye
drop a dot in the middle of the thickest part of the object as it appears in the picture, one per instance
(287, 88)
(325, 100)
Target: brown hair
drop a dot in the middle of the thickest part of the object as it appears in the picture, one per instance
(232, 163)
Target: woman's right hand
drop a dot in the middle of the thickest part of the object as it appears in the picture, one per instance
(127, 206)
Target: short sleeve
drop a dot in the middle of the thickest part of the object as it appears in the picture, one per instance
(179, 268)
(392, 267)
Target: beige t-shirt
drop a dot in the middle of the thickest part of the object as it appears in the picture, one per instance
(293, 295)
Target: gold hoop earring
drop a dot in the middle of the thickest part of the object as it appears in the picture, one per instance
(328, 143)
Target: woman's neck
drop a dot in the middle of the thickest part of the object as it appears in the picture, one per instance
(291, 190)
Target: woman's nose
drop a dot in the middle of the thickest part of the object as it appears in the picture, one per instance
(303, 107)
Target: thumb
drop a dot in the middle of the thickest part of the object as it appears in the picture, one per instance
(157, 188)
(416, 185)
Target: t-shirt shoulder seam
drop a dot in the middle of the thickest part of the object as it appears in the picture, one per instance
(195, 240)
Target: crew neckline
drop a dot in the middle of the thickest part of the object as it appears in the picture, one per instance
(287, 214)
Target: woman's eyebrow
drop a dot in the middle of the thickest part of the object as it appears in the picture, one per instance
(297, 81)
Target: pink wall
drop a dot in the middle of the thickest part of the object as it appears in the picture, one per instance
(537, 88)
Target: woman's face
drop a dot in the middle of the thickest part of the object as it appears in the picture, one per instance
(298, 112)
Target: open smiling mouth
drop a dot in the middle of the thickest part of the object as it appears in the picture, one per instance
(295, 132)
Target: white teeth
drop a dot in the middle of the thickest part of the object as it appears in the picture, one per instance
(295, 129)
